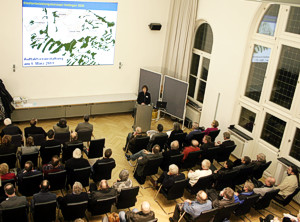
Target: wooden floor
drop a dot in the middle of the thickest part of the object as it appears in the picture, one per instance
(114, 128)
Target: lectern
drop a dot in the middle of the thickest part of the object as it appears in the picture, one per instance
(143, 117)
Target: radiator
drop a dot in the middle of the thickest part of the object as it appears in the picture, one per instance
(243, 147)
(193, 114)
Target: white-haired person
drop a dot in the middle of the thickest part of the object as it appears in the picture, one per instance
(167, 179)
(194, 176)
(196, 130)
(248, 191)
(145, 214)
(260, 159)
(123, 181)
(10, 129)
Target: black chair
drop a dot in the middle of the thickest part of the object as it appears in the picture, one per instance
(205, 216)
(45, 212)
(203, 183)
(224, 153)
(57, 180)
(96, 148)
(62, 137)
(140, 143)
(127, 197)
(198, 136)
(180, 137)
(101, 206)
(29, 157)
(81, 175)
(175, 192)
(287, 200)
(15, 214)
(3, 183)
(211, 153)
(103, 171)
(160, 140)
(192, 159)
(37, 138)
(10, 159)
(245, 207)
(225, 212)
(30, 184)
(67, 150)
(16, 140)
(176, 159)
(244, 174)
(258, 173)
(214, 134)
(85, 136)
(264, 202)
(226, 180)
(49, 152)
(72, 211)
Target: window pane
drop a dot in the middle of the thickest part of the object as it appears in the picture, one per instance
(247, 119)
(259, 63)
(286, 77)
(268, 23)
(273, 130)
(293, 24)
(195, 64)
(201, 91)
(204, 38)
(192, 85)
(205, 67)
(295, 151)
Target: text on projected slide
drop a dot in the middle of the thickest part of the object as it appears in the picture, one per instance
(66, 33)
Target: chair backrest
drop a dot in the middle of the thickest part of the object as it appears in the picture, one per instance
(62, 137)
(225, 212)
(214, 134)
(152, 166)
(226, 180)
(224, 153)
(127, 197)
(45, 211)
(15, 214)
(207, 215)
(198, 136)
(160, 140)
(30, 184)
(203, 183)
(211, 153)
(85, 136)
(38, 138)
(265, 201)
(96, 148)
(192, 159)
(101, 206)
(72, 211)
(177, 190)
(244, 174)
(57, 179)
(288, 199)
(49, 152)
(176, 159)
(16, 140)
(68, 150)
(10, 159)
(140, 143)
(103, 171)
(245, 207)
(258, 173)
(32, 157)
(3, 183)
(81, 175)
(180, 137)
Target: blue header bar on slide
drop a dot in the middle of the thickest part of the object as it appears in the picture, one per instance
(105, 6)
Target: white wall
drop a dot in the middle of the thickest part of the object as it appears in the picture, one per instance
(230, 21)
(136, 46)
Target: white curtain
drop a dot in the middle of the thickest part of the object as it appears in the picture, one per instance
(180, 33)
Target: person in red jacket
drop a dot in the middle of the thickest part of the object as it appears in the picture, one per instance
(192, 148)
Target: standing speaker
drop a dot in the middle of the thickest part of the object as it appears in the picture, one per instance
(155, 26)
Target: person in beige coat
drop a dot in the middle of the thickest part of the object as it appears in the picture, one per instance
(290, 183)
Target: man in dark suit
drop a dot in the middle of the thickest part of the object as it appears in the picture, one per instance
(245, 161)
(260, 160)
(33, 129)
(10, 129)
(172, 152)
(159, 133)
(227, 142)
(130, 140)
(12, 200)
(48, 143)
(226, 195)
(27, 171)
(44, 195)
(206, 143)
(105, 159)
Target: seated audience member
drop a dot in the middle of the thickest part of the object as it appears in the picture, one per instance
(105, 159)
(228, 165)
(260, 159)
(192, 208)
(76, 196)
(159, 133)
(227, 142)
(103, 191)
(130, 140)
(192, 148)
(167, 179)
(77, 161)
(172, 152)
(54, 166)
(112, 217)
(146, 214)
(268, 186)
(206, 143)
(12, 199)
(33, 129)
(196, 130)
(195, 175)
(73, 140)
(7, 147)
(30, 148)
(10, 129)
(84, 126)
(214, 127)
(61, 126)
(123, 181)
(44, 195)
(27, 171)
(48, 143)
(5, 174)
(248, 191)
(227, 195)
(289, 183)
(176, 129)
(245, 161)
(141, 154)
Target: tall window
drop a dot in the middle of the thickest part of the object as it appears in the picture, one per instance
(200, 63)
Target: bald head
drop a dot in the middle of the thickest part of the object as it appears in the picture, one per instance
(195, 143)
(270, 181)
(145, 207)
(175, 145)
(201, 196)
(138, 129)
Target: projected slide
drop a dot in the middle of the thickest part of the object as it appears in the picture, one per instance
(68, 33)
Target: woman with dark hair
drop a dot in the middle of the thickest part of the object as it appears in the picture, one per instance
(61, 126)
(290, 183)
(144, 97)
(7, 147)
(30, 148)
